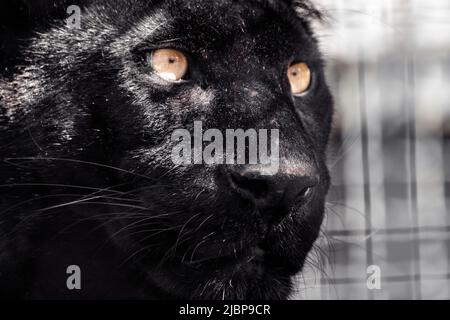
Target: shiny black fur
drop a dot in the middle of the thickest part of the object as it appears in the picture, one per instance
(85, 172)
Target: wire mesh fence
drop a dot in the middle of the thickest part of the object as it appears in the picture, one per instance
(390, 153)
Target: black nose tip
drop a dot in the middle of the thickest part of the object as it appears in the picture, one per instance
(273, 190)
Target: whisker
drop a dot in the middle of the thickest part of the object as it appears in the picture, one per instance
(88, 201)
(145, 248)
(197, 246)
(182, 229)
(80, 162)
(152, 230)
(12, 185)
(140, 221)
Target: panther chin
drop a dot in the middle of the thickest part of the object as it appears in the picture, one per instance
(259, 267)
(251, 275)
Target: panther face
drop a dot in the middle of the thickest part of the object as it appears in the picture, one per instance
(112, 93)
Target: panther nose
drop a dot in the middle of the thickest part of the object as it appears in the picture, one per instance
(280, 190)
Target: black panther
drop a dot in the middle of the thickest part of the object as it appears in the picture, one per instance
(86, 177)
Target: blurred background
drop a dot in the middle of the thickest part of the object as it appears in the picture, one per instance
(389, 69)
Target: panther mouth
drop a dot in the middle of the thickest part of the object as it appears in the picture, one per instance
(249, 247)
(251, 260)
(241, 242)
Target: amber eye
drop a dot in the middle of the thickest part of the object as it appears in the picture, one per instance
(169, 64)
(299, 76)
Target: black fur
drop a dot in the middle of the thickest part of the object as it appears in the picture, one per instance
(85, 171)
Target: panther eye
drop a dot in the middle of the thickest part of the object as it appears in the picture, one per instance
(169, 64)
(299, 76)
